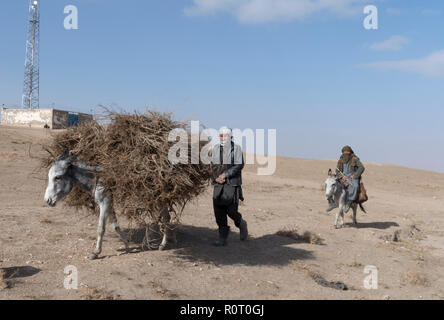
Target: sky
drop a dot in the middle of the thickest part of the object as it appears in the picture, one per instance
(308, 69)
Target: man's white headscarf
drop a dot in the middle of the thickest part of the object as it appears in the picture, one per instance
(226, 132)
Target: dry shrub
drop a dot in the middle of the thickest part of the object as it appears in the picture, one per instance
(161, 290)
(354, 264)
(307, 236)
(46, 220)
(415, 278)
(409, 232)
(4, 282)
(289, 233)
(414, 232)
(312, 238)
(131, 151)
(320, 280)
(392, 237)
(97, 294)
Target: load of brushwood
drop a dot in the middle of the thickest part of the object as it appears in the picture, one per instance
(131, 152)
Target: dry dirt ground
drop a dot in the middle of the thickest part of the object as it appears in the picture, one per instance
(37, 242)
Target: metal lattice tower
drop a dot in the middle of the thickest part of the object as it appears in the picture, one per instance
(30, 97)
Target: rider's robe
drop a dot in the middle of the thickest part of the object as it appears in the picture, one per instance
(353, 183)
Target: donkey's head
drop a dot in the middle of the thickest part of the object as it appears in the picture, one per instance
(60, 182)
(331, 184)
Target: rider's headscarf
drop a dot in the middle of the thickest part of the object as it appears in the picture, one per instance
(346, 157)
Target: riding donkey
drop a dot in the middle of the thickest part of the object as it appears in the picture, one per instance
(335, 188)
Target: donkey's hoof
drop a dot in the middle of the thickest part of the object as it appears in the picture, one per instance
(146, 247)
(93, 256)
(124, 251)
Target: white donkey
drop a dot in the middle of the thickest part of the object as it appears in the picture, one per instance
(67, 172)
(334, 188)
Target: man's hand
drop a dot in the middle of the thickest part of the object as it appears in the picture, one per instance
(221, 178)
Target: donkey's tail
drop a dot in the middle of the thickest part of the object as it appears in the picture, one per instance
(362, 208)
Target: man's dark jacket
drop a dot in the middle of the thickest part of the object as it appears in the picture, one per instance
(232, 164)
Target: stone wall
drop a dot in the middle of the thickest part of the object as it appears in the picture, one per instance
(30, 118)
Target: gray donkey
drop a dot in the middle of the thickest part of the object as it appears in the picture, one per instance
(334, 188)
(67, 172)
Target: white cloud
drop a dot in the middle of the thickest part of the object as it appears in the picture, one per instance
(430, 12)
(258, 11)
(431, 66)
(394, 43)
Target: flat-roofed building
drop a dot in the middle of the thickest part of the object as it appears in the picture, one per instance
(40, 118)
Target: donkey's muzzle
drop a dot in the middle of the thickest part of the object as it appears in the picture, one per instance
(50, 202)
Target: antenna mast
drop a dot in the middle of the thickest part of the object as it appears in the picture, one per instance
(30, 96)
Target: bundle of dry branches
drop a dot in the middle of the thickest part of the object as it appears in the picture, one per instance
(131, 151)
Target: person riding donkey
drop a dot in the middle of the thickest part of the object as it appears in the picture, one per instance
(350, 168)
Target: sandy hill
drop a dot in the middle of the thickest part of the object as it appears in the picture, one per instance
(38, 242)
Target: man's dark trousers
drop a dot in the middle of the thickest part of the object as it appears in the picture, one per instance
(221, 212)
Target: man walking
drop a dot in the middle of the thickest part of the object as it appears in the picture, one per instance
(228, 163)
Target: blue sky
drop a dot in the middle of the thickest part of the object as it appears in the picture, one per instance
(309, 70)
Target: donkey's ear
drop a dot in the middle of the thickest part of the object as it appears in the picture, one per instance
(75, 156)
(329, 172)
(65, 155)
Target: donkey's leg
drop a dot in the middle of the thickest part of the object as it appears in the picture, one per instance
(164, 243)
(340, 213)
(340, 216)
(165, 221)
(100, 232)
(115, 224)
(337, 217)
(173, 235)
(104, 202)
(355, 209)
(342, 205)
(169, 235)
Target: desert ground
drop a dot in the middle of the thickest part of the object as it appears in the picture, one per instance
(402, 234)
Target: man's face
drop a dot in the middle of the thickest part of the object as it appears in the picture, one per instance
(346, 152)
(224, 137)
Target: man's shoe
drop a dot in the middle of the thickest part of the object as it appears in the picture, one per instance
(223, 235)
(243, 230)
(221, 242)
